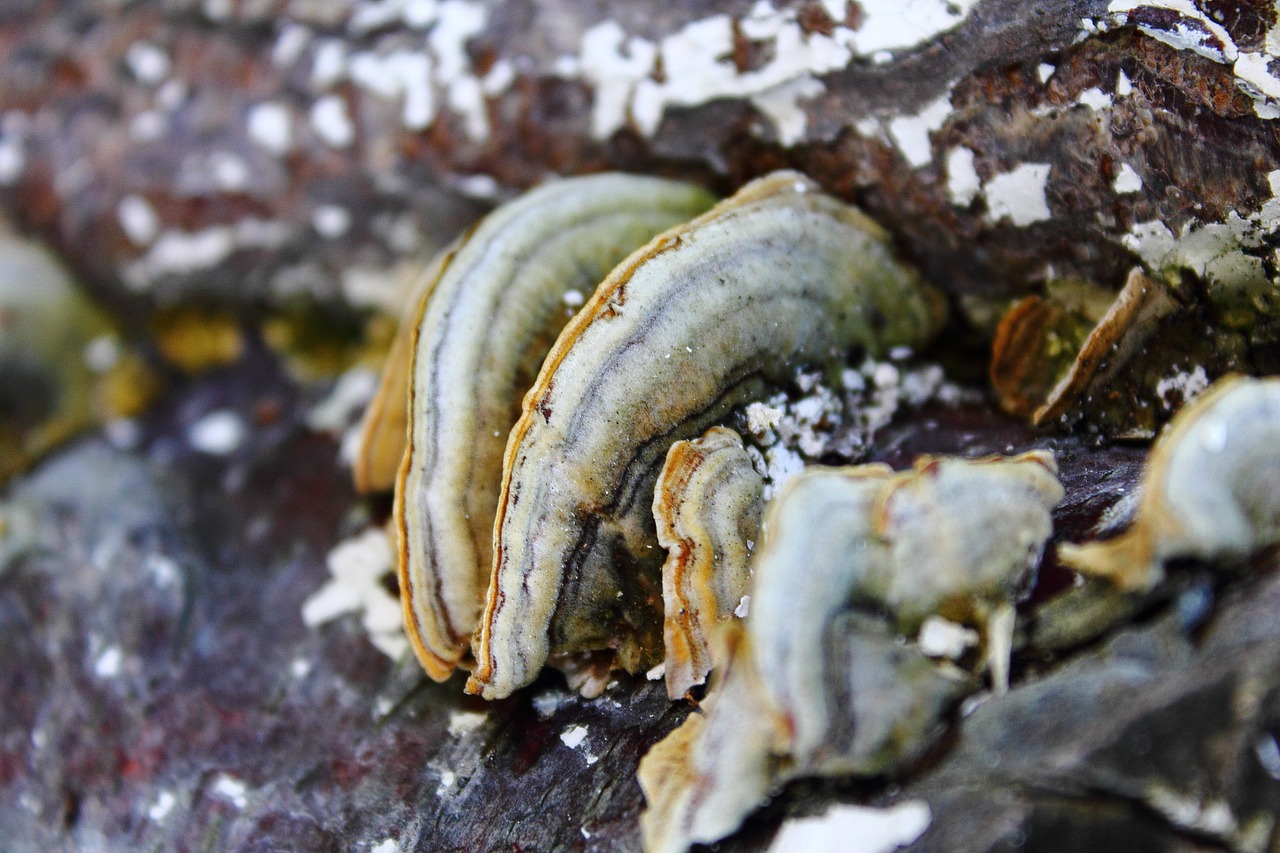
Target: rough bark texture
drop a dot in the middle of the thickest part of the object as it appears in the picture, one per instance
(356, 164)
(162, 690)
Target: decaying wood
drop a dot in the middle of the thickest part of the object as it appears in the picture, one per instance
(262, 150)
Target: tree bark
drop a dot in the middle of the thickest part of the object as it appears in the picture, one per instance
(246, 152)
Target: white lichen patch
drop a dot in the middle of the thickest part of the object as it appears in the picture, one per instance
(331, 122)
(138, 219)
(479, 185)
(187, 251)
(1224, 254)
(270, 125)
(856, 829)
(108, 663)
(163, 804)
(165, 571)
(1182, 387)
(781, 105)
(13, 159)
(421, 78)
(614, 64)
(911, 132)
(223, 171)
(229, 788)
(102, 353)
(387, 845)
(1095, 99)
(328, 63)
(176, 252)
(698, 68)
(290, 43)
(376, 14)
(634, 79)
(963, 183)
(574, 736)
(447, 780)
(1019, 195)
(219, 433)
(546, 703)
(218, 11)
(148, 63)
(357, 567)
(790, 430)
(403, 75)
(456, 22)
(1126, 180)
(499, 79)
(171, 94)
(147, 126)
(896, 25)
(331, 221)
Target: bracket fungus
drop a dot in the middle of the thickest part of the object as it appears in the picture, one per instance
(486, 313)
(384, 429)
(1210, 488)
(1053, 360)
(816, 681)
(707, 505)
(692, 324)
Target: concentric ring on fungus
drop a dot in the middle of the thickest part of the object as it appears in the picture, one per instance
(694, 323)
(487, 315)
(707, 504)
(818, 679)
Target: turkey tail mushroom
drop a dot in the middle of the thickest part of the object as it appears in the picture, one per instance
(685, 328)
(484, 322)
(707, 505)
(1211, 488)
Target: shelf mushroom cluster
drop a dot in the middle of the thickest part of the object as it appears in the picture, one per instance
(551, 419)
(525, 532)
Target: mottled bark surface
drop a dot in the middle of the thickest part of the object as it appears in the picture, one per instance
(264, 149)
(162, 690)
